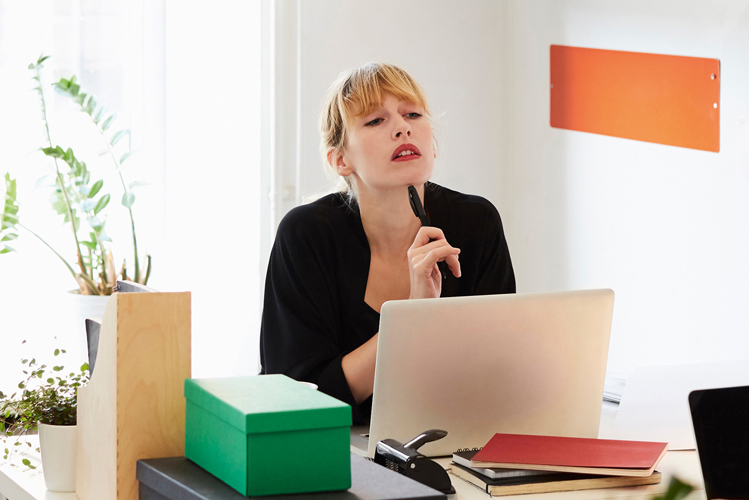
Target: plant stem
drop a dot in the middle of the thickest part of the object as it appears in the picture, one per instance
(60, 179)
(136, 277)
(105, 280)
(76, 276)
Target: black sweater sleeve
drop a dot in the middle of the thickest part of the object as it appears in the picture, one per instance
(495, 269)
(300, 330)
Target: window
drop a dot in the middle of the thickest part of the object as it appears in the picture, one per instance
(191, 98)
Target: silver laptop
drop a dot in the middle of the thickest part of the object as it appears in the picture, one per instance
(475, 366)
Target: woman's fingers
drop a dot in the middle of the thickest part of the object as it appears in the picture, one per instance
(426, 234)
(454, 264)
(425, 261)
(429, 248)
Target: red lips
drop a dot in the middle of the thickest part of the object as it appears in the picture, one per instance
(406, 147)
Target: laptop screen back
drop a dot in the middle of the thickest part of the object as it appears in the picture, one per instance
(474, 366)
(721, 428)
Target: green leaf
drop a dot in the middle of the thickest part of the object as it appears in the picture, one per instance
(84, 367)
(103, 202)
(56, 152)
(136, 184)
(125, 157)
(57, 368)
(26, 462)
(128, 199)
(7, 249)
(96, 224)
(57, 352)
(107, 123)
(50, 380)
(119, 135)
(9, 237)
(95, 188)
(87, 205)
(89, 244)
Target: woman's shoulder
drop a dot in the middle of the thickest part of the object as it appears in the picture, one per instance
(460, 204)
(324, 215)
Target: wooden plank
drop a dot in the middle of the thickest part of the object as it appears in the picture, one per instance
(133, 407)
(153, 361)
(664, 99)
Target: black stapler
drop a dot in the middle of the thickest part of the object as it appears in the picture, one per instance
(405, 459)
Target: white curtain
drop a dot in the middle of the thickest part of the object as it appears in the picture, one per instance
(184, 78)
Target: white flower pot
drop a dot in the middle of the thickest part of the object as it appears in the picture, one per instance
(57, 444)
(72, 336)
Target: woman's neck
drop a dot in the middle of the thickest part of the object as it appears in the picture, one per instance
(389, 221)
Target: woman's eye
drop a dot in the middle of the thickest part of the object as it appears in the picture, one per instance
(413, 115)
(376, 121)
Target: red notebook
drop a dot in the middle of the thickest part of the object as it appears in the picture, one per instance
(566, 454)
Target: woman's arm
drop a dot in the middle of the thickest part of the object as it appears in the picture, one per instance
(359, 367)
(428, 248)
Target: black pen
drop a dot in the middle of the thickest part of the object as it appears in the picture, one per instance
(418, 208)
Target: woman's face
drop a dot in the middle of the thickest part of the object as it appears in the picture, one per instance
(391, 147)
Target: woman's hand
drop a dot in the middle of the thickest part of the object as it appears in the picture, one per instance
(423, 256)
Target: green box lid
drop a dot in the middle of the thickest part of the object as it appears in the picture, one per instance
(267, 403)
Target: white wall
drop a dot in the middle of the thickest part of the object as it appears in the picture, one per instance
(665, 227)
(451, 48)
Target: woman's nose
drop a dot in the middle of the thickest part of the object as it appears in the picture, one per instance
(402, 129)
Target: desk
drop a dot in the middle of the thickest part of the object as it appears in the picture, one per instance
(684, 464)
(17, 483)
(29, 485)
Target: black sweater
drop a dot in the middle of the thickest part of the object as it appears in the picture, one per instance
(314, 311)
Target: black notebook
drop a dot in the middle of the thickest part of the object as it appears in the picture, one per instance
(555, 481)
(463, 457)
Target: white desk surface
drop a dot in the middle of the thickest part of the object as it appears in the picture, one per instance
(19, 483)
(16, 484)
(684, 464)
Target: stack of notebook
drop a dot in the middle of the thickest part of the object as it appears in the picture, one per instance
(513, 464)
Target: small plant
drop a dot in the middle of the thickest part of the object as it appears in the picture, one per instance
(677, 490)
(47, 395)
(79, 198)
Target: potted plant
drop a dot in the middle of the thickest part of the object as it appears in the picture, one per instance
(80, 198)
(47, 402)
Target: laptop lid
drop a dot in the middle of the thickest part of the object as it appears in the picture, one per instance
(721, 429)
(475, 366)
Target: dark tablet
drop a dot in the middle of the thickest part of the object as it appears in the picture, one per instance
(721, 428)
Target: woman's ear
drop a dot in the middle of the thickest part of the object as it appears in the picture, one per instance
(338, 162)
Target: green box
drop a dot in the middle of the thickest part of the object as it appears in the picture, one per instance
(268, 434)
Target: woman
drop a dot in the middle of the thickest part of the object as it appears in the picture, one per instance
(337, 260)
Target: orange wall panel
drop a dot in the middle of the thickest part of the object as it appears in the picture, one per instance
(672, 100)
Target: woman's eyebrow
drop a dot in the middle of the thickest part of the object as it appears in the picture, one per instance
(372, 114)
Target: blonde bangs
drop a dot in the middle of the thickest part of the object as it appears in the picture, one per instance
(367, 86)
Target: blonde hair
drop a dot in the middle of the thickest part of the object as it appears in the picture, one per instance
(358, 92)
